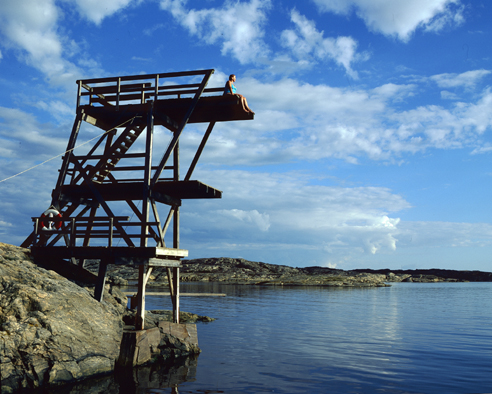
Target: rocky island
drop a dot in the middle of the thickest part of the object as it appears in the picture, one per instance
(241, 271)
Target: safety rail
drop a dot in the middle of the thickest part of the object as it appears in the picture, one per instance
(138, 89)
(82, 228)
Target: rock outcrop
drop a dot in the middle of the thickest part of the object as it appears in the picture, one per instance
(52, 331)
(431, 275)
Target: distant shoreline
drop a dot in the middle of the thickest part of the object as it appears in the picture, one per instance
(241, 271)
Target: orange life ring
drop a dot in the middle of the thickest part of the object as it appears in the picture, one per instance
(48, 225)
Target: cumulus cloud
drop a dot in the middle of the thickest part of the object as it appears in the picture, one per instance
(307, 42)
(399, 18)
(288, 214)
(237, 26)
(30, 26)
(300, 121)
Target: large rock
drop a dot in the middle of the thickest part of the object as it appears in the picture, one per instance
(52, 331)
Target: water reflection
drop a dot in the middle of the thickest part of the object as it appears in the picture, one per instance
(158, 376)
(153, 379)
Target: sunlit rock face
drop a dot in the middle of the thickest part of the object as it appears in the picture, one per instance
(52, 331)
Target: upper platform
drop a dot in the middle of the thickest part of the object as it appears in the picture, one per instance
(165, 192)
(105, 100)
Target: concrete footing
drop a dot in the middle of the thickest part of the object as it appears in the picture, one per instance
(139, 347)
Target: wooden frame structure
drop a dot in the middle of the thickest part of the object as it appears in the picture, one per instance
(119, 173)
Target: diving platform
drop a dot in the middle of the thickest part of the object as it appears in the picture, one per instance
(120, 172)
(169, 111)
(164, 192)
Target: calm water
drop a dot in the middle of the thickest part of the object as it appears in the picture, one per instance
(408, 338)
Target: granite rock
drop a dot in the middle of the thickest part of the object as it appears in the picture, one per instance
(52, 331)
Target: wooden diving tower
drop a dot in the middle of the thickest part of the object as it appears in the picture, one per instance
(119, 173)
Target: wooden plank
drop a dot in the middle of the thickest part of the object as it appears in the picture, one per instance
(171, 252)
(99, 157)
(164, 263)
(133, 87)
(130, 96)
(160, 293)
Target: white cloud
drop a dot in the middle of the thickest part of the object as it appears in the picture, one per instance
(444, 234)
(291, 215)
(258, 220)
(238, 26)
(446, 95)
(300, 121)
(468, 79)
(30, 25)
(97, 10)
(399, 18)
(482, 149)
(307, 42)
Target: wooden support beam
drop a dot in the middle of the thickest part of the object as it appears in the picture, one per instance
(182, 125)
(66, 158)
(101, 201)
(199, 151)
(157, 219)
(101, 280)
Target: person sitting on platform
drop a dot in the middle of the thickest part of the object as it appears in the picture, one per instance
(231, 89)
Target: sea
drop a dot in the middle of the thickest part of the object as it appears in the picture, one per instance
(406, 338)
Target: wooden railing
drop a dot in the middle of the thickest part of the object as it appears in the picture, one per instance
(101, 227)
(138, 89)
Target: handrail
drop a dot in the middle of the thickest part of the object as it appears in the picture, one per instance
(82, 227)
(113, 91)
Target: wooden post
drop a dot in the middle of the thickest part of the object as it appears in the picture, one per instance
(101, 280)
(143, 275)
(110, 240)
(118, 91)
(147, 174)
(176, 295)
(176, 270)
(79, 91)
(73, 241)
(156, 92)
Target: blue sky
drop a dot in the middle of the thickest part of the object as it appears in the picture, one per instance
(371, 143)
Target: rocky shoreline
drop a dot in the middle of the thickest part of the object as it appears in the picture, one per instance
(53, 332)
(241, 271)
